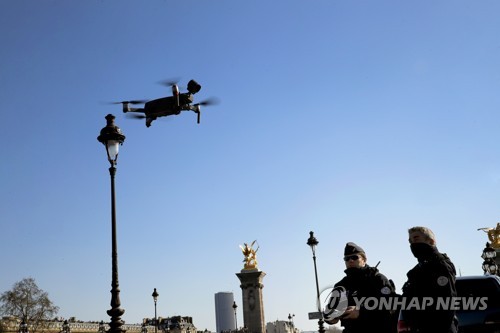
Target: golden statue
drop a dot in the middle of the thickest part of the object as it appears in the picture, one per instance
(493, 235)
(250, 255)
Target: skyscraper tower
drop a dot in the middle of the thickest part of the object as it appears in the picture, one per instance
(224, 312)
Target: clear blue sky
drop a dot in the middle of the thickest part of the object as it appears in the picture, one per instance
(356, 119)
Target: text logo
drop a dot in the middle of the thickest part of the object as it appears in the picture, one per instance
(336, 302)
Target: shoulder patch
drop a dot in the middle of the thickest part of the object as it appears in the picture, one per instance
(442, 281)
(385, 290)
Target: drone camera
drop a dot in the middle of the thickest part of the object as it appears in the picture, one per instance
(193, 87)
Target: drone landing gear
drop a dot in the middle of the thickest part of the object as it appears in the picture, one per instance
(149, 120)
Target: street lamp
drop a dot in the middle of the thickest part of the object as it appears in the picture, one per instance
(290, 318)
(101, 328)
(65, 327)
(235, 317)
(111, 137)
(23, 327)
(313, 242)
(155, 298)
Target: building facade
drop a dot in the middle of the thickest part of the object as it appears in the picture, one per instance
(175, 324)
(281, 326)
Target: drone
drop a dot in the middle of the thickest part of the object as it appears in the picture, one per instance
(167, 106)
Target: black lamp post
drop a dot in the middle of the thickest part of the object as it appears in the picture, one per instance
(23, 327)
(155, 298)
(235, 316)
(111, 136)
(101, 328)
(290, 318)
(313, 242)
(65, 327)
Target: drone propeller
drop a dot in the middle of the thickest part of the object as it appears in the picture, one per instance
(196, 107)
(133, 102)
(135, 116)
(175, 88)
(142, 116)
(169, 82)
(210, 101)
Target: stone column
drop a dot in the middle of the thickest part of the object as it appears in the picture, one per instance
(253, 305)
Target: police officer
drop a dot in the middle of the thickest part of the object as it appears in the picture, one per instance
(433, 278)
(363, 282)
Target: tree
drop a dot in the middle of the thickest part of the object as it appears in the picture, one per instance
(29, 303)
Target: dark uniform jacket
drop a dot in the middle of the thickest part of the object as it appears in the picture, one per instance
(368, 282)
(433, 276)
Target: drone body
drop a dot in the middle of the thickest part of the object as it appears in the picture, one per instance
(167, 106)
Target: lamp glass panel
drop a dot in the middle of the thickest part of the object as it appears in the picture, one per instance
(112, 146)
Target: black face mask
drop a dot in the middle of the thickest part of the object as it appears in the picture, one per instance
(422, 250)
(355, 271)
(352, 270)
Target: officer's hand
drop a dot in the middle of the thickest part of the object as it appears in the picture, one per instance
(332, 321)
(351, 313)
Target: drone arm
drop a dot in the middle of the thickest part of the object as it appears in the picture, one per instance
(135, 110)
(127, 108)
(196, 108)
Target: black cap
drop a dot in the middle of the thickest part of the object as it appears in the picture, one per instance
(351, 248)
